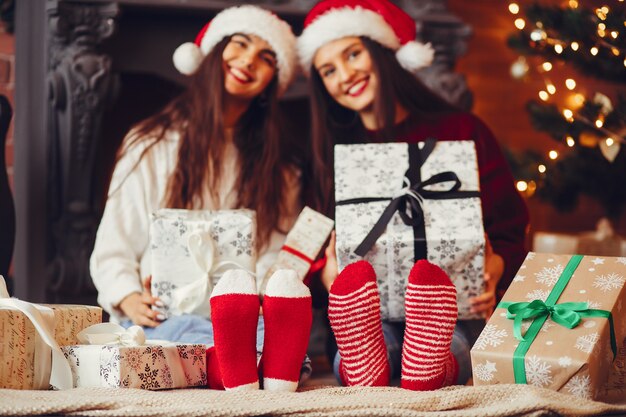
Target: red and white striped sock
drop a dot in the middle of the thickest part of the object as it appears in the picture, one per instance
(235, 314)
(431, 314)
(354, 314)
(288, 315)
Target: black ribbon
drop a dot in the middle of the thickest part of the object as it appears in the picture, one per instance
(408, 204)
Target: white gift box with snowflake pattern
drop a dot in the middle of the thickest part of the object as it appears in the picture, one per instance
(576, 361)
(454, 227)
(188, 246)
(152, 367)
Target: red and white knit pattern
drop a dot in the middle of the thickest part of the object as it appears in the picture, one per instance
(431, 314)
(235, 314)
(288, 317)
(354, 314)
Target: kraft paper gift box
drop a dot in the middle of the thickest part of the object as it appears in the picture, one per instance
(399, 202)
(191, 249)
(302, 244)
(575, 334)
(127, 360)
(30, 335)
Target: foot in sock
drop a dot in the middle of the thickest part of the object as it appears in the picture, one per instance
(354, 314)
(431, 314)
(235, 315)
(287, 313)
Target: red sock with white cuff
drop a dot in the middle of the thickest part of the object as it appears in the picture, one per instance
(288, 315)
(235, 315)
(431, 314)
(354, 314)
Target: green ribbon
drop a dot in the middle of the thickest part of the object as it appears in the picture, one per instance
(566, 314)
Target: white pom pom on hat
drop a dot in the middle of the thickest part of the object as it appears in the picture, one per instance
(187, 58)
(251, 20)
(379, 20)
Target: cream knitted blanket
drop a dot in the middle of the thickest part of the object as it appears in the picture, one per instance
(495, 400)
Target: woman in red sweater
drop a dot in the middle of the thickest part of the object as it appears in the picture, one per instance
(361, 56)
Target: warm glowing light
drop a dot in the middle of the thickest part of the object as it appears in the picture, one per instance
(604, 9)
(514, 8)
(625, 62)
(558, 48)
(599, 123)
(522, 186)
(569, 115)
(575, 46)
(601, 26)
(544, 95)
(609, 141)
(578, 99)
(614, 34)
(615, 51)
(573, 4)
(570, 84)
(551, 88)
(594, 51)
(553, 154)
(547, 66)
(541, 168)
(570, 141)
(520, 23)
(601, 33)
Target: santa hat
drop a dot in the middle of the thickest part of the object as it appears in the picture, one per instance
(379, 20)
(251, 20)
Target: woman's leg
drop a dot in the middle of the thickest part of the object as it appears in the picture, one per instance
(354, 314)
(287, 315)
(431, 315)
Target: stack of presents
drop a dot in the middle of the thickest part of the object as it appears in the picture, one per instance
(560, 325)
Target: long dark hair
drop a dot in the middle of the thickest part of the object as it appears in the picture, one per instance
(332, 123)
(264, 155)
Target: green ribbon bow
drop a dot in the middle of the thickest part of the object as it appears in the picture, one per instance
(566, 314)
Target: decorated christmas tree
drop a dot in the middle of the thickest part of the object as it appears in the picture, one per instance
(580, 39)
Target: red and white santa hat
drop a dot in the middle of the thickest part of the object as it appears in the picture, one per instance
(379, 20)
(251, 20)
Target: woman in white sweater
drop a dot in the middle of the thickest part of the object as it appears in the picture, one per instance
(220, 145)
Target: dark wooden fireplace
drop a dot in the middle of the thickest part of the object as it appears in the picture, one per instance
(86, 71)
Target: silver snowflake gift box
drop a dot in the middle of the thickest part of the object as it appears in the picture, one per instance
(561, 325)
(190, 251)
(398, 202)
(122, 358)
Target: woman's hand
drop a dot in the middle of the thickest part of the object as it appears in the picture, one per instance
(138, 306)
(485, 303)
(331, 269)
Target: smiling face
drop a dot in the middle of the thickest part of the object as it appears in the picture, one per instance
(249, 66)
(346, 69)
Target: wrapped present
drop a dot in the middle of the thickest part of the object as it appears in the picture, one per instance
(191, 249)
(122, 358)
(399, 202)
(302, 244)
(603, 241)
(30, 335)
(560, 325)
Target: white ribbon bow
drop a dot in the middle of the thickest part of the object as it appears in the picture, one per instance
(111, 333)
(191, 298)
(51, 367)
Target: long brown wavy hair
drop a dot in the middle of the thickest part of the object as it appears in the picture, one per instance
(265, 154)
(332, 123)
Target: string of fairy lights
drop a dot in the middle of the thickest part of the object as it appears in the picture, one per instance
(570, 100)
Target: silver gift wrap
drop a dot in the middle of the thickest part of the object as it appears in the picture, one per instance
(453, 227)
(191, 249)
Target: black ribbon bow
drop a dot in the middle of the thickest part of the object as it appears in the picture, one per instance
(409, 204)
